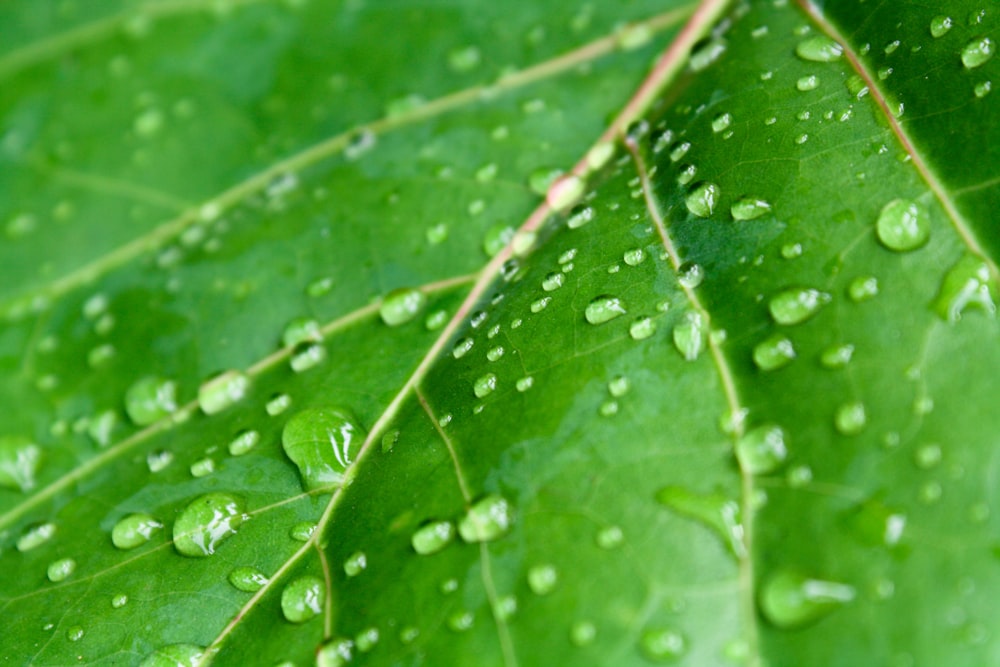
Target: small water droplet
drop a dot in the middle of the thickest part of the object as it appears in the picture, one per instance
(222, 391)
(819, 48)
(903, 225)
(690, 275)
(247, 579)
(928, 456)
(366, 639)
(488, 519)
(774, 352)
(306, 356)
(484, 385)
(553, 281)
(634, 257)
(706, 52)
(496, 239)
(689, 335)
(61, 569)
(150, 399)
(408, 634)
(791, 250)
(966, 285)
(206, 522)
(175, 655)
(863, 288)
(940, 25)
(582, 633)
(322, 443)
(603, 309)
(436, 320)
(579, 216)
(722, 122)
(978, 52)
(807, 83)
(525, 383)
(401, 305)
(610, 537)
(432, 537)
(749, 208)
(301, 330)
(335, 653)
(542, 579)
(642, 328)
(157, 461)
(134, 530)
(836, 356)
(355, 564)
(703, 199)
(566, 192)
(851, 418)
(686, 174)
(618, 386)
(762, 450)
(464, 59)
(542, 178)
(244, 442)
(663, 644)
(319, 287)
(277, 404)
(35, 535)
(790, 600)
(119, 600)
(462, 347)
(302, 531)
(302, 599)
(718, 513)
(796, 305)
(461, 620)
(982, 89)
(19, 461)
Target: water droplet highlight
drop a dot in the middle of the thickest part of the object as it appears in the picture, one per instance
(322, 443)
(206, 522)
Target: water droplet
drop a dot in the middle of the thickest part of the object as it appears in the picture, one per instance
(278, 404)
(484, 385)
(807, 83)
(686, 174)
(966, 285)
(903, 225)
(222, 391)
(714, 510)
(706, 52)
(762, 450)
(525, 383)
(618, 386)
(207, 522)
(820, 49)
(461, 620)
(306, 356)
(366, 639)
(302, 531)
(541, 304)
(408, 634)
(301, 330)
(703, 199)
(774, 352)
(928, 456)
(302, 599)
(722, 122)
(322, 442)
(75, 633)
(61, 569)
(462, 347)
(634, 257)
(488, 519)
(134, 530)
(35, 535)
(336, 653)
(119, 600)
(689, 335)
(542, 579)
(565, 192)
(603, 309)
(244, 442)
(150, 399)
(749, 208)
(175, 655)
(690, 275)
(247, 579)
(355, 564)
(982, 89)
(582, 633)
(610, 537)
(663, 644)
(790, 600)
(850, 418)
(796, 305)
(579, 216)
(836, 356)
(19, 461)
(496, 239)
(432, 537)
(319, 287)
(642, 328)
(553, 281)
(541, 179)
(157, 461)
(863, 288)
(791, 250)
(401, 305)
(940, 25)
(464, 59)
(978, 52)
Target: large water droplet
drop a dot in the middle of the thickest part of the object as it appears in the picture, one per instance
(542, 579)
(401, 305)
(762, 450)
(966, 285)
(663, 644)
(703, 199)
(150, 399)
(222, 391)
(175, 655)
(978, 52)
(134, 530)
(792, 600)
(61, 569)
(432, 537)
(797, 304)
(303, 598)
(19, 460)
(206, 522)
(248, 579)
(749, 208)
(774, 352)
(488, 519)
(604, 309)
(903, 225)
(820, 49)
(322, 442)
(714, 510)
(689, 335)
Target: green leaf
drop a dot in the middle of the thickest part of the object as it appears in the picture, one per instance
(498, 333)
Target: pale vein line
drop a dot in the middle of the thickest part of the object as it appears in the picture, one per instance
(735, 405)
(113, 186)
(328, 584)
(503, 631)
(26, 56)
(185, 412)
(256, 183)
(958, 221)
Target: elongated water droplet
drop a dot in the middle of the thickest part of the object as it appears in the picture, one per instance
(244, 442)
(322, 443)
(604, 309)
(306, 356)
(749, 208)
(797, 304)
(940, 25)
(222, 391)
(689, 335)
(903, 225)
(19, 461)
(462, 347)
(722, 122)
(134, 530)
(247, 579)
(774, 352)
(978, 52)
(484, 385)
(820, 49)
(542, 579)
(579, 216)
(714, 510)
(792, 600)
(966, 285)
(703, 199)
(762, 450)
(206, 522)
(488, 519)
(61, 569)
(705, 53)
(663, 644)
(175, 655)
(35, 535)
(634, 257)
(302, 599)
(432, 537)
(150, 399)
(401, 305)
(301, 330)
